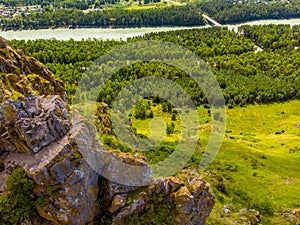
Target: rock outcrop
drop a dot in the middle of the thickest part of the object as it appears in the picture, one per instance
(45, 148)
(74, 174)
(249, 216)
(30, 125)
(190, 202)
(24, 76)
(292, 217)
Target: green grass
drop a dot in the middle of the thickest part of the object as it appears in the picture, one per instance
(156, 128)
(136, 6)
(258, 162)
(266, 171)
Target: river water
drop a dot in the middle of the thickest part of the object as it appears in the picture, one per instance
(117, 34)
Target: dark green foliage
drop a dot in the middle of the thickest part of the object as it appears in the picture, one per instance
(143, 110)
(246, 77)
(173, 117)
(72, 17)
(140, 111)
(170, 128)
(167, 107)
(19, 204)
(280, 132)
(294, 149)
(66, 4)
(76, 158)
(160, 152)
(273, 37)
(150, 114)
(265, 207)
(157, 211)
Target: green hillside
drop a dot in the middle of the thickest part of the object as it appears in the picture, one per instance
(257, 166)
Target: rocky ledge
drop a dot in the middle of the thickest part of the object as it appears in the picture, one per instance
(38, 135)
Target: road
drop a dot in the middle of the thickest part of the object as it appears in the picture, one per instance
(175, 3)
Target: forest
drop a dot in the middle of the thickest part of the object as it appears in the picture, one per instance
(188, 15)
(78, 4)
(246, 76)
(66, 4)
(258, 69)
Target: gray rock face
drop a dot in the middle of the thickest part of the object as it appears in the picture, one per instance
(189, 208)
(2, 42)
(292, 217)
(73, 186)
(65, 183)
(26, 76)
(38, 136)
(30, 125)
(118, 202)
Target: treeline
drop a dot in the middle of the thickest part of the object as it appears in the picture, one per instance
(188, 15)
(167, 16)
(13, 3)
(244, 75)
(78, 4)
(272, 37)
(228, 12)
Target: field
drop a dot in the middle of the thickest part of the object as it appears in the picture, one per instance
(258, 164)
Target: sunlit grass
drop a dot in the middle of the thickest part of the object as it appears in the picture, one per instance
(259, 159)
(265, 171)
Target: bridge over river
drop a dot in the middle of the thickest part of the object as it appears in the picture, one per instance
(211, 21)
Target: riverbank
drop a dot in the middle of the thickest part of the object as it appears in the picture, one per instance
(118, 33)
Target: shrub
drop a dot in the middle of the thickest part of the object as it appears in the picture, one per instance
(76, 158)
(265, 207)
(170, 128)
(173, 117)
(157, 211)
(18, 205)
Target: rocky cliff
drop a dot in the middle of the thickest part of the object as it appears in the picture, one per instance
(38, 134)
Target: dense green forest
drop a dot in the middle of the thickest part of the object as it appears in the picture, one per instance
(245, 75)
(77, 4)
(187, 15)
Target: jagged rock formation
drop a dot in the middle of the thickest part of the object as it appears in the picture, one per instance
(38, 135)
(36, 122)
(24, 76)
(190, 202)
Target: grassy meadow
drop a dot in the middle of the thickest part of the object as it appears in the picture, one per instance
(257, 165)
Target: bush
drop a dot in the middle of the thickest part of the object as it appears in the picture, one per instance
(157, 211)
(173, 117)
(170, 128)
(19, 204)
(265, 207)
(279, 132)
